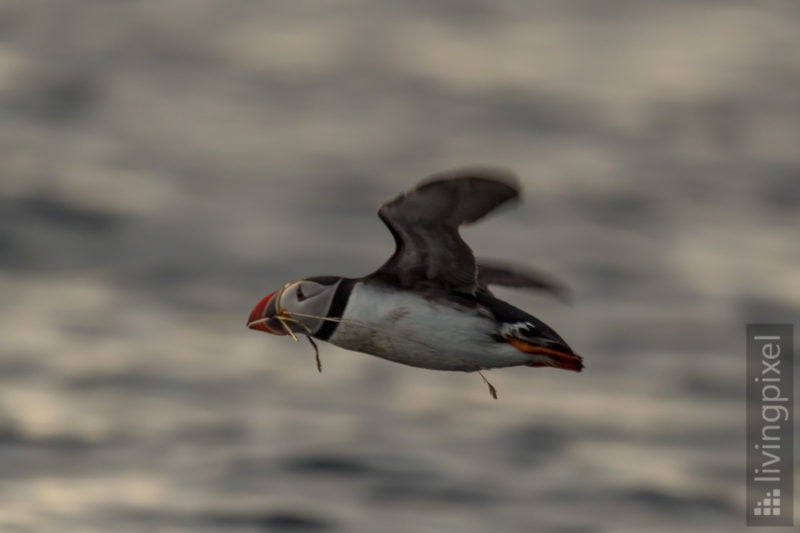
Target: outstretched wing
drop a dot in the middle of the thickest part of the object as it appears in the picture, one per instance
(507, 275)
(424, 222)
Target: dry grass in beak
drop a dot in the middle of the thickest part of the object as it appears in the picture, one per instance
(283, 317)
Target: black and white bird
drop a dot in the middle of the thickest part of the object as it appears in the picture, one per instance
(429, 305)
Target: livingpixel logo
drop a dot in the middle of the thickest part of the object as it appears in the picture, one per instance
(770, 505)
(770, 425)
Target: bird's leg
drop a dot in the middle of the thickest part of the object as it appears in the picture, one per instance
(492, 390)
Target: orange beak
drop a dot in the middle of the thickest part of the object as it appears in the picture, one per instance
(261, 317)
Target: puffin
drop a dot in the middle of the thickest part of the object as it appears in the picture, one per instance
(430, 304)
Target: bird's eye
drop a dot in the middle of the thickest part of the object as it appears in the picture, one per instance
(299, 294)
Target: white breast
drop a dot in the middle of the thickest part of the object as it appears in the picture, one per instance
(407, 328)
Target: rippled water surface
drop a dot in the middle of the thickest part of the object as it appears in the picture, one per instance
(164, 165)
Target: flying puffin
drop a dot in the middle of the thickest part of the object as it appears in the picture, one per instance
(429, 305)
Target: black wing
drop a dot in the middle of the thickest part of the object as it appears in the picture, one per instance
(424, 222)
(507, 275)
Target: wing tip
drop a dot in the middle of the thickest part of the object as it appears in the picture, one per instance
(505, 274)
(484, 173)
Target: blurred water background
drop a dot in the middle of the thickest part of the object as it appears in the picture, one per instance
(165, 164)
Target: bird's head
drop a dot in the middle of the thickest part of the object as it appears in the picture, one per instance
(299, 307)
